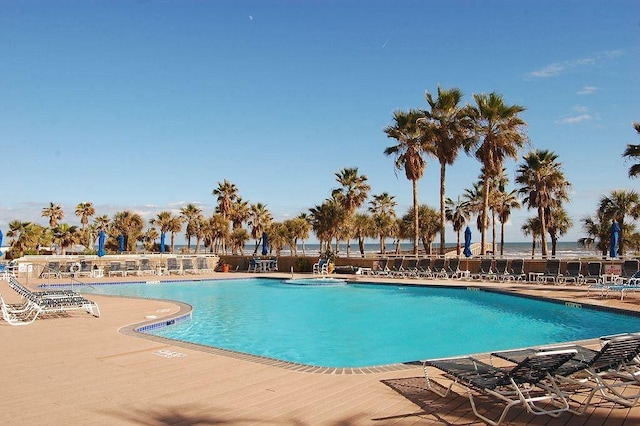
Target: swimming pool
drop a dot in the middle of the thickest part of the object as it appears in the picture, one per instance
(361, 325)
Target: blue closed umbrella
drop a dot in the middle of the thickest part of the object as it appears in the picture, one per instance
(467, 242)
(121, 242)
(1, 240)
(101, 239)
(265, 244)
(615, 237)
(162, 237)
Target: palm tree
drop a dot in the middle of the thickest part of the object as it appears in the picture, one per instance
(506, 201)
(458, 213)
(239, 213)
(84, 211)
(543, 185)
(259, 219)
(408, 154)
(429, 226)
(226, 193)
(301, 230)
(617, 206)
(475, 201)
(218, 232)
(382, 209)
(175, 226)
(352, 193)
(22, 237)
(558, 223)
(102, 222)
(447, 126)
(498, 134)
(163, 220)
(325, 221)
(190, 214)
(54, 212)
(130, 225)
(238, 238)
(66, 236)
(532, 227)
(597, 229)
(149, 238)
(362, 227)
(633, 152)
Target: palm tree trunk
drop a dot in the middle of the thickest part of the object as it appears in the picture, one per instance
(543, 229)
(485, 211)
(493, 232)
(458, 243)
(443, 217)
(501, 238)
(416, 224)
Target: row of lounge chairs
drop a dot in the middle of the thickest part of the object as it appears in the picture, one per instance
(546, 380)
(141, 267)
(36, 303)
(454, 268)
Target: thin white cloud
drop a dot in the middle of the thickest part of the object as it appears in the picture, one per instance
(575, 119)
(587, 90)
(557, 68)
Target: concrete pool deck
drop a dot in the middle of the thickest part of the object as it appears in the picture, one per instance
(78, 370)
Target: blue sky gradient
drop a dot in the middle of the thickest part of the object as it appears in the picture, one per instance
(146, 105)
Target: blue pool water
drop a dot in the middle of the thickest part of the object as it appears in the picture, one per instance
(367, 325)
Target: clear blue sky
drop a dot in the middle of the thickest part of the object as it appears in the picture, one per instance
(146, 105)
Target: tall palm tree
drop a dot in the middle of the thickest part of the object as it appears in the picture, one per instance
(352, 193)
(84, 211)
(498, 135)
(543, 185)
(163, 220)
(190, 214)
(619, 205)
(383, 212)
(54, 212)
(458, 213)
(447, 126)
(632, 152)
(226, 193)
(259, 219)
(408, 154)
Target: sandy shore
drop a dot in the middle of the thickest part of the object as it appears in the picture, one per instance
(81, 370)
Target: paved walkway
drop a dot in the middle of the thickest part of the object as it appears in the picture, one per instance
(80, 370)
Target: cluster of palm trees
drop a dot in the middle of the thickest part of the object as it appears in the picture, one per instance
(490, 130)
